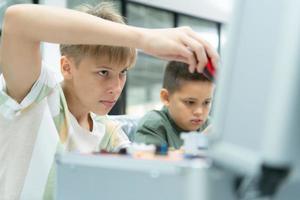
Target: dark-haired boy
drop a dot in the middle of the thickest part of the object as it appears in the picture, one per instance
(187, 101)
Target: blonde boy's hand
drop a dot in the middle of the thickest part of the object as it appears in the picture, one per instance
(180, 44)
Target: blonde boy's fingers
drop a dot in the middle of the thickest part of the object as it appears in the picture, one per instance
(215, 62)
(190, 59)
(213, 55)
(211, 52)
(202, 60)
(182, 54)
(199, 53)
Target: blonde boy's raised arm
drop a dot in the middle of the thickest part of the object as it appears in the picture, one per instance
(25, 26)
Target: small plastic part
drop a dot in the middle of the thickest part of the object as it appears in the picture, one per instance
(140, 148)
(194, 143)
(161, 149)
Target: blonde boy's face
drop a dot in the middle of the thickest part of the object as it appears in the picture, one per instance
(95, 85)
(190, 105)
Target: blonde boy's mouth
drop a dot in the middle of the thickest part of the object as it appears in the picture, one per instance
(108, 104)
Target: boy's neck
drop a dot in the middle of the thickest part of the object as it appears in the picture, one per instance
(85, 122)
(83, 117)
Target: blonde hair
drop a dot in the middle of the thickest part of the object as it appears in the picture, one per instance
(116, 55)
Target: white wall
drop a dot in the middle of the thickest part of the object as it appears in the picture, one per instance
(217, 10)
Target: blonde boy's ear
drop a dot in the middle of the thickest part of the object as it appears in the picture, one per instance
(66, 67)
(164, 97)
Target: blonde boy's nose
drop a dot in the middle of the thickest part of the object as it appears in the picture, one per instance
(116, 86)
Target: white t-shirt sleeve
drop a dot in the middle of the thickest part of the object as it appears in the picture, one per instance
(47, 80)
(120, 139)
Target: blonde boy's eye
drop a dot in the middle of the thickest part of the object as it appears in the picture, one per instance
(103, 73)
(207, 103)
(124, 72)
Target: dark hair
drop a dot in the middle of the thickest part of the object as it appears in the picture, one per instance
(176, 73)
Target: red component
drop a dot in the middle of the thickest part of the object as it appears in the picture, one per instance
(210, 68)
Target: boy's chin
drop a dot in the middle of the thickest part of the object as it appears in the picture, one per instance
(189, 129)
(101, 112)
(194, 128)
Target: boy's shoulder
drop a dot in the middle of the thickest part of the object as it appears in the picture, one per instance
(155, 120)
(154, 116)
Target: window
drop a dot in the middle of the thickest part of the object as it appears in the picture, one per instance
(144, 84)
(74, 3)
(145, 79)
(143, 16)
(223, 38)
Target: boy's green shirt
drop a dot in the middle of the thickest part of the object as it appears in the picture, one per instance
(158, 128)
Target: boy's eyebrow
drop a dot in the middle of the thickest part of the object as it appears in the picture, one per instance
(195, 99)
(190, 98)
(98, 67)
(104, 67)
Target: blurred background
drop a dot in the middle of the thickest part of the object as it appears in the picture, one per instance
(141, 93)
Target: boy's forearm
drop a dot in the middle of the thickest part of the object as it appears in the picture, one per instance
(42, 23)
